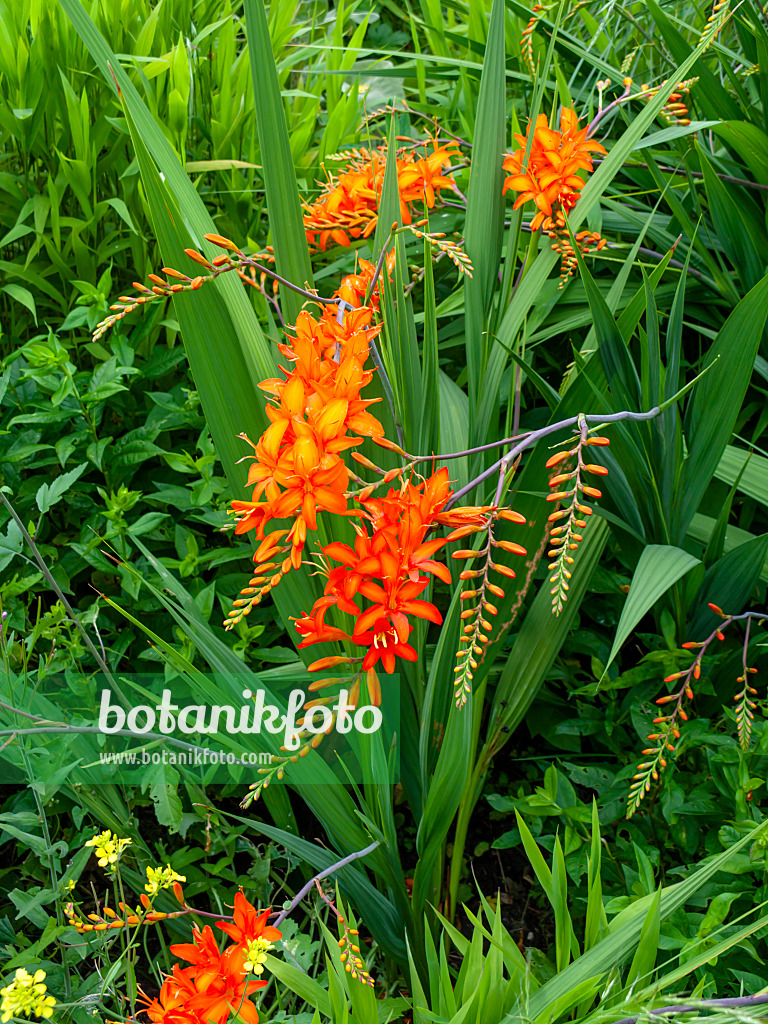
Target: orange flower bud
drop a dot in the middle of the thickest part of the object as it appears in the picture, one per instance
(383, 442)
(497, 591)
(198, 258)
(462, 531)
(598, 440)
(331, 662)
(591, 491)
(223, 243)
(467, 553)
(504, 570)
(358, 457)
(597, 470)
(511, 547)
(555, 459)
(511, 516)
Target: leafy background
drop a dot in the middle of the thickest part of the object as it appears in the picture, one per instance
(104, 445)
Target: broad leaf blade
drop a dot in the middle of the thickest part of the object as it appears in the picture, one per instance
(285, 220)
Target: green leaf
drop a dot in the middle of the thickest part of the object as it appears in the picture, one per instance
(670, 134)
(717, 398)
(122, 211)
(711, 97)
(733, 228)
(484, 225)
(702, 527)
(301, 983)
(647, 947)
(541, 635)
(729, 583)
(163, 781)
(748, 143)
(749, 468)
(22, 295)
(626, 929)
(659, 568)
(48, 494)
(285, 219)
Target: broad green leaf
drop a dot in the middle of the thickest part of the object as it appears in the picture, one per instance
(729, 583)
(454, 428)
(429, 427)
(541, 634)
(717, 397)
(671, 134)
(48, 494)
(659, 568)
(301, 983)
(484, 225)
(732, 225)
(647, 946)
(285, 219)
(22, 295)
(748, 143)
(754, 478)
(701, 529)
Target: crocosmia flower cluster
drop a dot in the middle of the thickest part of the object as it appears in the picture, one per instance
(348, 206)
(218, 985)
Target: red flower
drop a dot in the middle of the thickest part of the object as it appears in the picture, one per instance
(249, 923)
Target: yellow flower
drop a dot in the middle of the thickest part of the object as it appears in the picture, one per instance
(256, 955)
(26, 994)
(109, 849)
(161, 878)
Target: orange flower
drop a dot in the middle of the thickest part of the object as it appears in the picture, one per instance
(249, 923)
(297, 465)
(550, 178)
(349, 205)
(203, 953)
(390, 567)
(171, 1007)
(216, 983)
(214, 1006)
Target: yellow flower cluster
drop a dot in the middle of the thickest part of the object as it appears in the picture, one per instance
(161, 878)
(109, 849)
(256, 955)
(26, 995)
